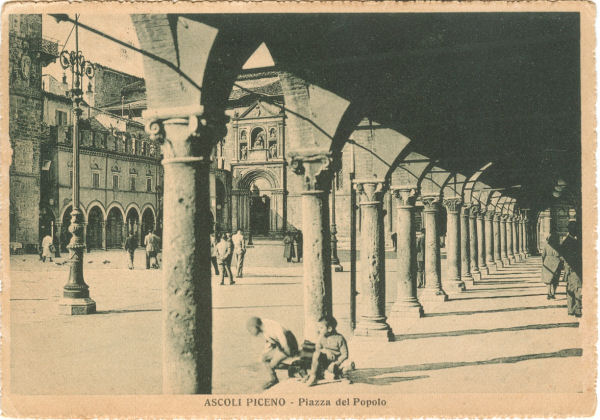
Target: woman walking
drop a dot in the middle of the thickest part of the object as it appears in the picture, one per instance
(551, 264)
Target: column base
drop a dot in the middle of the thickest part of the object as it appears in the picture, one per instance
(476, 274)
(505, 262)
(337, 268)
(483, 270)
(433, 295)
(499, 264)
(455, 286)
(468, 280)
(491, 266)
(402, 310)
(372, 330)
(76, 306)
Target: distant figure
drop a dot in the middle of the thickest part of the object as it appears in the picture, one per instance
(47, 248)
(213, 255)
(421, 259)
(288, 248)
(224, 251)
(298, 244)
(130, 246)
(152, 246)
(551, 264)
(331, 352)
(395, 241)
(239, 249)
(280, 344)
(570, 251)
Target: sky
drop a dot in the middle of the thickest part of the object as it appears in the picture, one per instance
(103, 51)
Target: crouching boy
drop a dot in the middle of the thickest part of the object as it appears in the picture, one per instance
(331, 353)
(280, 344)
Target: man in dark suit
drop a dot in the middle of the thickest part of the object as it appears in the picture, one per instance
(571, 254)
(421, 258)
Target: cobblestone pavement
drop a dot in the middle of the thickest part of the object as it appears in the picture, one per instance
(500, 336)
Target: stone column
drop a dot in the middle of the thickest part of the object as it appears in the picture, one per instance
(522, 231)
(473, 246)
(510, 244)
(481, 239)
(497, 241)
(465, 252)
(527, 236)
(103, 235)
(503, 240)
(515, 237)
(187, 297)
(433, 285)
(406, 304)
(316, 175)
(371, 300)
(454, 282)
(489, 240)
(335, 261)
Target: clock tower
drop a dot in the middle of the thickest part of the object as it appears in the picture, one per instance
(28, 54)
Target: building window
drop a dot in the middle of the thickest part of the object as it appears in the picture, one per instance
(132, 183)
(148, 184)
(115, 182)
(96, 180)
(61, 118)
(71, 179)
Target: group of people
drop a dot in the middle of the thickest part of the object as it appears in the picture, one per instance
(152, 245)
(565, 256)
(223, 248)
(330, 357)
(292, 246)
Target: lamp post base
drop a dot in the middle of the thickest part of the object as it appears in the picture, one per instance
(76, 306)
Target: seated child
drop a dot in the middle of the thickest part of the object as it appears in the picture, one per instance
(331, 352)
(280, 344)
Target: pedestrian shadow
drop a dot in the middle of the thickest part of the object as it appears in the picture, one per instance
(492, 282)
(503, 288)
(125, 311)
(402, 337)
(487, 311)
(498, 297)
(369, 376)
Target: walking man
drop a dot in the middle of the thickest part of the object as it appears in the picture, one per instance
(213, 254)
(130, 246)
(151, 243)
(239, 248)
(224, 254)
(571, 254)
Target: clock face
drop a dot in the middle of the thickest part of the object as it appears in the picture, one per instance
(25, 66)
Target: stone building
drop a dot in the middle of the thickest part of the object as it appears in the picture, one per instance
(120, 171)
(120, 175)
(28, 54)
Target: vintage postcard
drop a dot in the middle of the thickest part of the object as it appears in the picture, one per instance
(298, 209)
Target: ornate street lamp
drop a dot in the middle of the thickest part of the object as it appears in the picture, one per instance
(76, 296)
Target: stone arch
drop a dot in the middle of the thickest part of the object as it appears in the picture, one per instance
(472, 181)
(68, 206)
(96, 218)
(96, 203)
(148, 219)
(248, 178)
(118, 205)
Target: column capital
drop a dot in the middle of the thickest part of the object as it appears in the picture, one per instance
(186, 134)
(497, 216)
(473, 210)
(315, 167)
(489, 214)
(453, 204)
(406, 196)
(431, 203)
(370, 190)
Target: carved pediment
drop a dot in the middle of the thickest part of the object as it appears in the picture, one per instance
(116, 168)
(260, 110)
